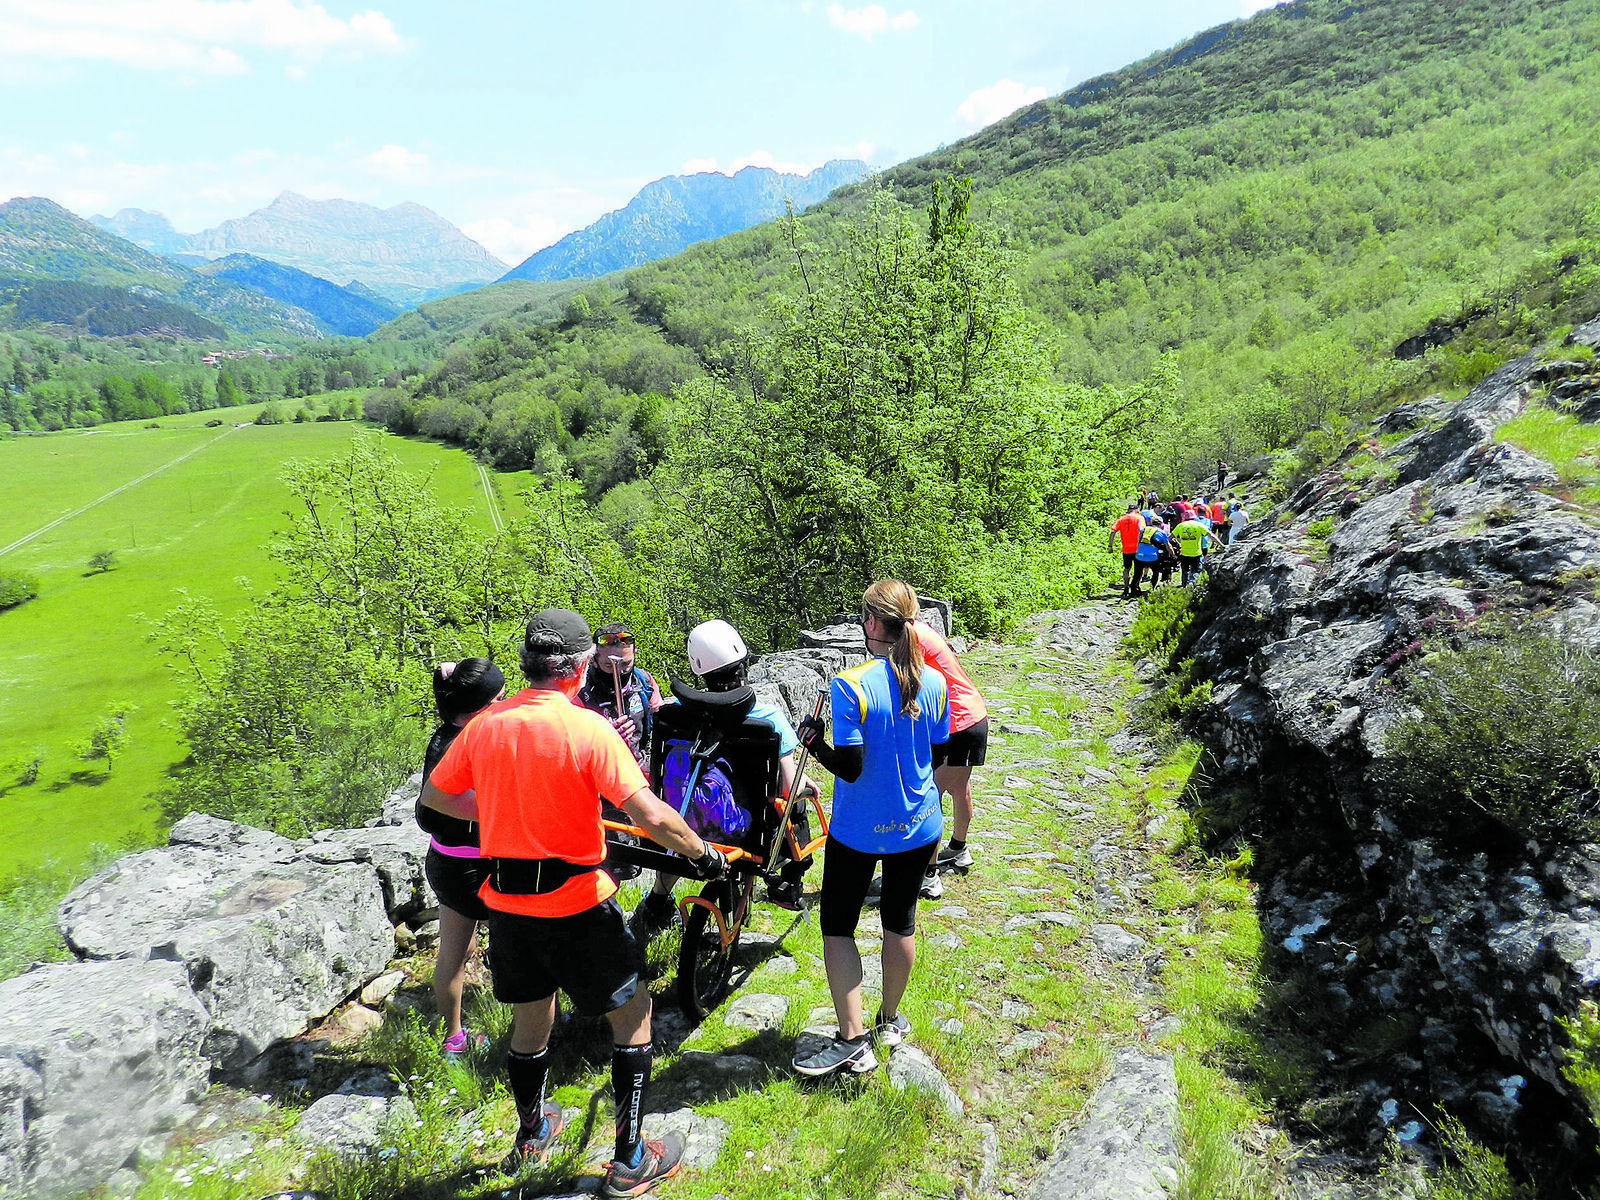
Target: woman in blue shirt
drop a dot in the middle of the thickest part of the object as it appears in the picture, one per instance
(888, 714)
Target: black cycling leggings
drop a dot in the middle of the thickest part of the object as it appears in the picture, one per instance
(847, 874)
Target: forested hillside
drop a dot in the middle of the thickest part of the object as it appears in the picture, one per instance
(1278, 204)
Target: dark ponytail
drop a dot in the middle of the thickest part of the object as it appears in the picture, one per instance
(461, 689)
(895, 604)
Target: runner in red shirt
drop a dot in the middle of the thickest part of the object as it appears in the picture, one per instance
(533, 771)
(1125, 531)
(953, 761)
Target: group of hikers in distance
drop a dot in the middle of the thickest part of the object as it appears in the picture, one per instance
(517, 791)
(1155, 536)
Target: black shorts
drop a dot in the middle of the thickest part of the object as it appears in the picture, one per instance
(968, 748)
(1128, 557)
(847, 874)
(590, 956)
(455, 881)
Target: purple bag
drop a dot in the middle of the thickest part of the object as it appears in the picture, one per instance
(712, 811)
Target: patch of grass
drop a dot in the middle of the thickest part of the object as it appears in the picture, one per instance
(1163, 617)
(1320, 530)
(1564, 442)
(201, 524)
(28, 903)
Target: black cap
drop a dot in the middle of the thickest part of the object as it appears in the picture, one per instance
(557, 631)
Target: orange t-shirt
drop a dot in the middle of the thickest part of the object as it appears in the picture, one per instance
(966, 702)
(1218, 513)
(540, 766)
(1130, 526)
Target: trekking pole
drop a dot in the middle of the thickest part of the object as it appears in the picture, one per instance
(801, 761)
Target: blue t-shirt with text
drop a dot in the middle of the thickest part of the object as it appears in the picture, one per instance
(894, 805)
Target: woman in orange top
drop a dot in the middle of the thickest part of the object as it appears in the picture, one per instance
(953, 762)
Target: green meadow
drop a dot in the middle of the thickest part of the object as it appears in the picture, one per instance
(196, 509)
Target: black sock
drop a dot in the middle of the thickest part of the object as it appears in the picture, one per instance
(630, 1071)
(958, 844)
(527, 1074)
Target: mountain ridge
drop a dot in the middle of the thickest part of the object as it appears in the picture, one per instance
(670, 214)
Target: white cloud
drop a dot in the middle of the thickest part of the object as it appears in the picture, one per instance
(870, 21)
(397, 164)
(698, 166)
(1248, 8)
(987, 105)
(203, 37)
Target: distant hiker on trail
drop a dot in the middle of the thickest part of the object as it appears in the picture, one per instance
(453, 867)
(888, 715)
(1222, 474)
(1152, 542)
(626, 695)
(1125, 536)
(532, 770)
(1217, 511)
(718, 655)
(967, 748)
(1193, 538)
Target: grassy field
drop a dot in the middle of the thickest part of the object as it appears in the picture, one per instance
(200, 506)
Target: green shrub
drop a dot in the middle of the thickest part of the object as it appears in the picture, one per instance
(1582, 1065)
(1504, 739)
(17, 587)
(1320, 531)
(1162, 619)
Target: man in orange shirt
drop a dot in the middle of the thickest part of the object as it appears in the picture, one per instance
(1127, 529)
(533, 770)
(953, 761)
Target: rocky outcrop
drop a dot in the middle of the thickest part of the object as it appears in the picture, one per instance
(1445, 967)
(94, 1057)
(1125, 1143)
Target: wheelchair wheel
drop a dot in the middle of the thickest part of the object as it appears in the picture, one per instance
(704, 966)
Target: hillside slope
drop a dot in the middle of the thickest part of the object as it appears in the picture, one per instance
(337, 310)
(40, 241)
(673, 213)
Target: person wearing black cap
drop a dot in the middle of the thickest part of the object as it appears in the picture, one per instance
(533, 771)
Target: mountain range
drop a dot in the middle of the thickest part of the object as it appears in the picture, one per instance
(671, 214)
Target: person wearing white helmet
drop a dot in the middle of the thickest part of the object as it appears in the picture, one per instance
(719, 658)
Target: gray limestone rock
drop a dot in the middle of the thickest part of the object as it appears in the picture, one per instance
(94, 1059)
(396, 851)
(911, 1069)
(268, 945)
(734, 1070)
(1125, 1146)
(1115, 942)
(703, 1136)
(353, 1123)
(757, 1011)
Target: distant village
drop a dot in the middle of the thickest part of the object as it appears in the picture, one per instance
(215, 358)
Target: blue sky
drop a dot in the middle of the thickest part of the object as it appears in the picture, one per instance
(518, 121)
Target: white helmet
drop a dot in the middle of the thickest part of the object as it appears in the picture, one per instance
(714, 645)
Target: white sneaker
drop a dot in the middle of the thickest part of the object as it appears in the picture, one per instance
(855, 1058)
(932, 886)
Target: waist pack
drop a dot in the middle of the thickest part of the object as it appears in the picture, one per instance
(533, 876)
(713, 810)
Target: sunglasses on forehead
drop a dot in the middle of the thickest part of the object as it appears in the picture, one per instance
(614, 639)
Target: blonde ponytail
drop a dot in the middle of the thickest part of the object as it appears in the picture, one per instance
(894, 603)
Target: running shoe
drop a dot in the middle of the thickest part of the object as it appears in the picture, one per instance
(891, 1031)
(785, 894)
(462, 1043)
(955, 860)
(656, 911)
(932, 886)
(532, 1145)
(840, 1056)
(660, 1160)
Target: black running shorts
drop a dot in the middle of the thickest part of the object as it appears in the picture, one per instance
(1129, 557)
(590, 956)
(456, 881)
(847, 874)
(969, 748)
